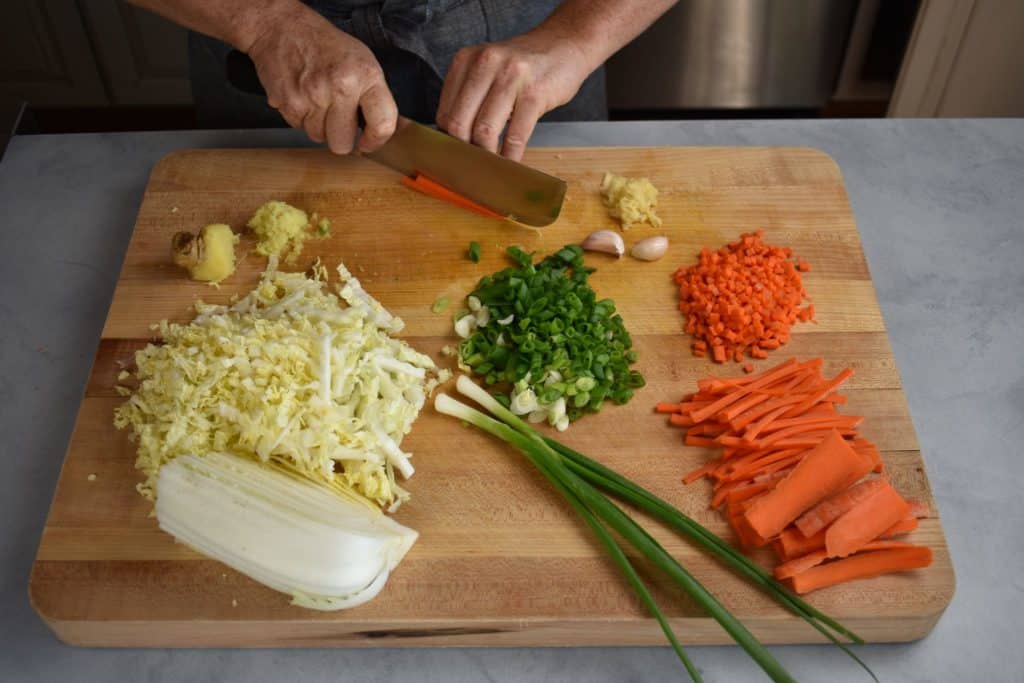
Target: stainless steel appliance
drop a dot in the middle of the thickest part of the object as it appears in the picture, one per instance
(712, 54)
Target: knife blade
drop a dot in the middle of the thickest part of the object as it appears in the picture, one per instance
(514, 190)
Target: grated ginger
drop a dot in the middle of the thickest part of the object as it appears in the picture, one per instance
(278, 227)
(631, 200)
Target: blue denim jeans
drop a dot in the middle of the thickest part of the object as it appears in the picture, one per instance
(414, 41)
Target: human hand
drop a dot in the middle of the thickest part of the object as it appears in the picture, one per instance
(514, 81)
(318, 77)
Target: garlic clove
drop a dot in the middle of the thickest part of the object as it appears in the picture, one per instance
(650, 249)
(607, 241)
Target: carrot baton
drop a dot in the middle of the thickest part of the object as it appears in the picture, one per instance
(865, 521)
(788, 570)
(862, 566)
(828, 468)
(830, 509)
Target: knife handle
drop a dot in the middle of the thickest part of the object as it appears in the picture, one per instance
(241, 73)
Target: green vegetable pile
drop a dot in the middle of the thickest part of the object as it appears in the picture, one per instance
(541, 328)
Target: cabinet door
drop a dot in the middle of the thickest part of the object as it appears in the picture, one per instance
(144, 57)
(45, 56)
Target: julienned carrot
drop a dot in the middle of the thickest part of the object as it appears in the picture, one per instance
(698, 473)
(867, 519)
(785, 368)
(821, 393)
(862, 565)
(769, 428)
(423, 184)
(830, 509)
(830, 467)
(809, 419)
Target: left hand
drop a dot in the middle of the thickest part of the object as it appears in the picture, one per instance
(514, 81)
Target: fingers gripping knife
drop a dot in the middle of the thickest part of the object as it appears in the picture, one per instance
(510, 189)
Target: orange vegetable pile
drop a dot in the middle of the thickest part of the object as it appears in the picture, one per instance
(742, 298)
(793, 472)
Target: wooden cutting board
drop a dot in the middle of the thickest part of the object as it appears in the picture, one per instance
(500, 560)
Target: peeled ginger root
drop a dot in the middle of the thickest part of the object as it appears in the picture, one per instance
(208, 256)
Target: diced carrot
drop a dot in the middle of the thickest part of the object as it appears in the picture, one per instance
(865, 521)
(748, 368)
(732, 294)
(862, 565)
(827, 469)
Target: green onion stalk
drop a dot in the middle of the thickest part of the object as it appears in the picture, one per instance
(578, 479)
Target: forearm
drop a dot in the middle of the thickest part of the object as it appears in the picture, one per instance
(600, 28)
(236, 22)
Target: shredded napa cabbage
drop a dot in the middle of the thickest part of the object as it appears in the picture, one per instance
(291, 374)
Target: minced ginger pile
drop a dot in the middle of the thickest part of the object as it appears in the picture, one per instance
(287, 374)
(631, 200)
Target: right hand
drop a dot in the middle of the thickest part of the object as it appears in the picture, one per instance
(318, 77)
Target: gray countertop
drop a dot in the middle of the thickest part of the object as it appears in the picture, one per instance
(939, 205)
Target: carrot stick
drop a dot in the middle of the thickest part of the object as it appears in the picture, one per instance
(839, 421)
(423, 184)
(791, 543)
(741, 421)
(799, 565)
(680, 420)
(867, 519)
(830, 509)
(667, 408)
(757, 427)
(822, 393)
(699, 472)
(862, 565)
(751, 468)
(828, 468)
(781, 370)
(702, 441)
(904, 526)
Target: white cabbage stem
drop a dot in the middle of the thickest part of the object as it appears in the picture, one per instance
(289, 534)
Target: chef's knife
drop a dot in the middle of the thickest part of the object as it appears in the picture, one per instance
(508, 188)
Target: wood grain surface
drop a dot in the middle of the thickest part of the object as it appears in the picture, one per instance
(500, 559)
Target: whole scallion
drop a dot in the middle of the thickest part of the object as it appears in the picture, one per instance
(578, 478)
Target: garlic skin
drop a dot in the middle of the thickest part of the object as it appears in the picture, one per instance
(650, 249)
(606, 241)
